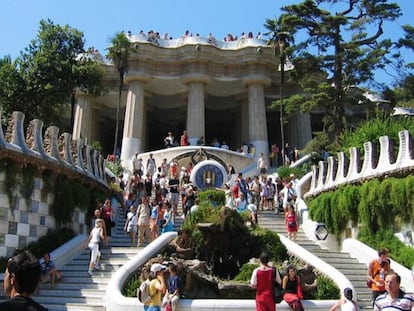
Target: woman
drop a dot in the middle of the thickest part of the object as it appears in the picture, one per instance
(131, 224)
(168, 219)
(346, 303)
(291, 223)
(154, 221)
(107, 213)
(292, 289)
(95, 236)
(263, 281)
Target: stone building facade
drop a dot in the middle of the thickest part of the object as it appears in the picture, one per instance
(210, 88)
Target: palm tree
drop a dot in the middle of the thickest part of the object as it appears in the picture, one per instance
(279, 38)
(118, 53)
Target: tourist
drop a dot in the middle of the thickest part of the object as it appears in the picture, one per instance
(262, 280)
(201, 141)
(346, 303)
(274, 156)
(116, 191)
(148, 184)
(394, 298)
(172, 295)
(292, 289)
(151, 165)
(377, 269)
(143, 219)
(95, 236)
(164, 167)
(131, 224)
(261, 165)
(154, 218)
(168, 223)
(169, 140)
(241, 203)
(21, 280)
(224, 146)
(49, 271)
(174, 194)
(184, 139)
(255, 189)
(291, 223)
(271, 192)
(107, 214)
(157, 287)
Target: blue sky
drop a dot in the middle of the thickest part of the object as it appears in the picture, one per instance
(101, 19)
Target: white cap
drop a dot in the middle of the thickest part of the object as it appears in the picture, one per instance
(156, 267)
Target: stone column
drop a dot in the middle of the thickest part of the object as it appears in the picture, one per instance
(300, 131)
(82, 124)
(134, 122)
(244, 120)
(257, 114)
(196, 114)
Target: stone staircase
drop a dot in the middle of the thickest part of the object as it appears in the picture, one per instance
(77, 290)
(356, 272)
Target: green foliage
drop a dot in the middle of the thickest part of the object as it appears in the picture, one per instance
(399, 252)
(245, 272)
(325, 289)
(42, 79)
(96, 145)
(341, 49)
(285, 171)
(114, 166)
(375, 204)
(372, 130)
(216, 197)
(11, 169)
(268, 241)
(131, 289)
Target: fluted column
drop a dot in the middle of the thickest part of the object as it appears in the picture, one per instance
(82, 123)
(257, 113)
(134, 122)
(196, 112)
(300, 130)
(244, 119)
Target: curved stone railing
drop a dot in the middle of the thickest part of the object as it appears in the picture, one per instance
(116, 301)
(194, 40)
(334, 172)
(50, 150)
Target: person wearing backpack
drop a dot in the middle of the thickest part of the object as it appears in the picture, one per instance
(157, 287)
(377, 270)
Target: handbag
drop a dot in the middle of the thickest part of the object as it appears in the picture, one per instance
(277, 288)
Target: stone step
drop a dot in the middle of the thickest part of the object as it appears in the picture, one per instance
(73, 307)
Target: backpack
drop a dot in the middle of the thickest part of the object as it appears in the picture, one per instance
(144, 292)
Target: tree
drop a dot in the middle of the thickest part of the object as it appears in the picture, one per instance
(337, 52)
(118, 53)
(42, 79)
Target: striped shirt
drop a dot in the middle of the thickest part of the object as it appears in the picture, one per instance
(404, 302)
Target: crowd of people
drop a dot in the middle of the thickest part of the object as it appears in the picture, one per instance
(229, 37)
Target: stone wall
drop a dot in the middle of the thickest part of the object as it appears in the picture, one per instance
(25, 219)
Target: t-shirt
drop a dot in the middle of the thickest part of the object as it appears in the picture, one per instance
(174, 283)
(20, 303)
(46, 267)
(173, 185)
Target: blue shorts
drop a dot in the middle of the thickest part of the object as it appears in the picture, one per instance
(152, 308)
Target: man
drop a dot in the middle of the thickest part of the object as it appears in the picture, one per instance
(169, 140)
(261, 165)
(174, 188)
(394, 298)
(157, 287)
(174, 288)
(143, 218)
(49, 271)
(21, 280)
(377, 269)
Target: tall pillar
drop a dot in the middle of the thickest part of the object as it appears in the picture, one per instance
(300, 130)
(257, 114)
(82, 124)
(134, 122)
(196, 113)
(244, 118)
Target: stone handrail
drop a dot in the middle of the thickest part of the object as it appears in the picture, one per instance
(333, 173)
(44, 151)
(116, 301)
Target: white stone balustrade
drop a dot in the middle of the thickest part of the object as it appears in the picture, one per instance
(337, 175)
(51, 153)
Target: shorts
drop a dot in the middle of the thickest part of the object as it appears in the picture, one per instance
(174, 198)
(95, 253)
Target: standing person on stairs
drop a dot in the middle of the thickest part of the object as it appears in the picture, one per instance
(377, 270)
(96, 235)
